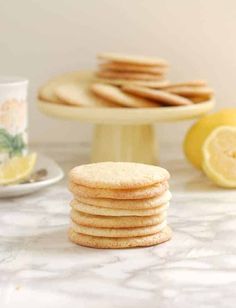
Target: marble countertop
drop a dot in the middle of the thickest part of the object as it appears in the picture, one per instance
(40, 268)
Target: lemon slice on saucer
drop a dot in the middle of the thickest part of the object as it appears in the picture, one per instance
(219, 156)
(17, 169)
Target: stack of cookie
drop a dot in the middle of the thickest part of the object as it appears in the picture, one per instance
(141, 78)
(124, 81)
(119, 205)
(144, 71)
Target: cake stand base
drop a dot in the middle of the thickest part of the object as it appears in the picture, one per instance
(133, 143)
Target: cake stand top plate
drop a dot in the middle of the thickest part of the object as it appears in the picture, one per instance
(125, 116)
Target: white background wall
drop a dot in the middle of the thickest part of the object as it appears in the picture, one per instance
(42, 38)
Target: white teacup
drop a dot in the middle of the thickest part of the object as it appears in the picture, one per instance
(13, 117)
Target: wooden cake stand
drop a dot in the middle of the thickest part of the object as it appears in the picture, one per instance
(125, 134)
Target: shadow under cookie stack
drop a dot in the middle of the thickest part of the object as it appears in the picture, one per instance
(119, 205)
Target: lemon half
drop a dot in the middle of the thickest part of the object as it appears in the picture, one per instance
(219, 156)
(17, 169)
(198, 133)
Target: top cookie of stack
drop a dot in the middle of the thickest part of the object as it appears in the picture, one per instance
(119, 205)
(120, 69)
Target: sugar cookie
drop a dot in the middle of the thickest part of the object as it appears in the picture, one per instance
(161, 97)
(95, 210)
(137, 193)
(115, 95)
(47, 91)
(114, 233)
(191, 83)
(140, 204)
(120, 67)
(129, 75)
(79, 94)
(117, 222)
(145, 83)
(105, 242)
(188, 91)
(118, 175)
(132, 59)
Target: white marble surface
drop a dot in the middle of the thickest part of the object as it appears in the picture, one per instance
(40, 268)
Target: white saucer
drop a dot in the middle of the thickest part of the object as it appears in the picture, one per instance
(54, 175)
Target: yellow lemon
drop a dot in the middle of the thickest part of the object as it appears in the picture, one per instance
(219, 156)
(17, 169)
(198, 133)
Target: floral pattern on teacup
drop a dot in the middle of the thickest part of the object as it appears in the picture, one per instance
(13, 123)
(13, 116)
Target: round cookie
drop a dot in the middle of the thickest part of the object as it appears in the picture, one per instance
(94, 210)
(47, 91)
(115, 95)
(188, 91)
(145, 83)
(137, 193)
(118, 175)
(79, 94)
(140, 204)
(161, 97)
(114, 233)
(197, 100)
(120, 67)
(129, 75)
(192, 83)
(117, 222)
(105, 242)
(132, 59)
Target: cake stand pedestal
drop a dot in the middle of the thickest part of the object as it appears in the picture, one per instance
(124, 143)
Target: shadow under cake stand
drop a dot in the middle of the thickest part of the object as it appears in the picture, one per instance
(125, 134)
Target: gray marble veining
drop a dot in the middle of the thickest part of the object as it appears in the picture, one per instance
(40, 268)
